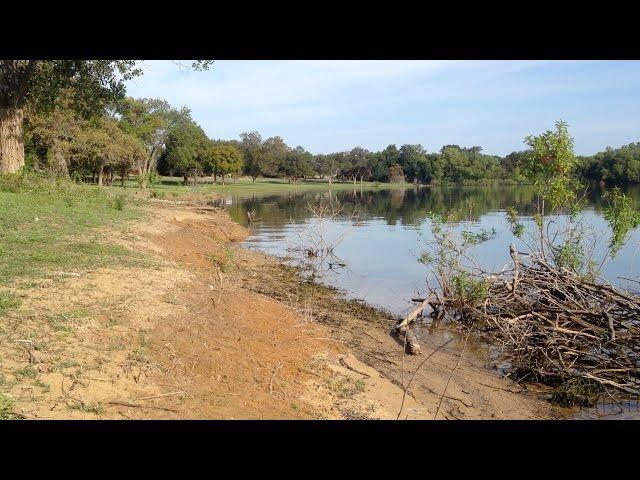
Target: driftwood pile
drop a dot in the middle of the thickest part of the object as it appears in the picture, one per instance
(556, 326)
(403, 328)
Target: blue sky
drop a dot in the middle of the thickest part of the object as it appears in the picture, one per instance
(328, 106)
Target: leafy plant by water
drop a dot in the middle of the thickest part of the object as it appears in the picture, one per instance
(554, 318)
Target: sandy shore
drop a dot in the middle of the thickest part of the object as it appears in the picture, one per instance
(211, 330)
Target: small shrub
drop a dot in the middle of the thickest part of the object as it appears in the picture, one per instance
(46, 388)
(76, 176)
(7, 302)
(96, 409)
(153, 178)
(348, 387)
(622, 218)
(517, 228)
(569, 255)
(6, 407)
(119, 202)
(11, 182)
(468, 289)
(26, 372)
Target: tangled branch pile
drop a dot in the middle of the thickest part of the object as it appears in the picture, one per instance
(555, 320)
(556, 326)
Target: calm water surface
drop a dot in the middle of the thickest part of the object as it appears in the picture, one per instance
(380, 233)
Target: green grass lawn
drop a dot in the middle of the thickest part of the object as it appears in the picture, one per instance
(51, 228)
(48, 226)
(173, 187)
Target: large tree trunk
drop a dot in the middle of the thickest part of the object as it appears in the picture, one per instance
(60, 166)
(100, 175)
(11, 141)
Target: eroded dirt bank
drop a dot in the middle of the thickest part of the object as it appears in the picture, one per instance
(210, 330)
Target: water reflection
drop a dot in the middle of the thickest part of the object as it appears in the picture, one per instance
(381, 233)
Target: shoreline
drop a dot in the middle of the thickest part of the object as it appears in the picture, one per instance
(205, 328)
(366, 330)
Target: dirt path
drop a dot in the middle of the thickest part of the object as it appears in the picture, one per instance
(211, 330)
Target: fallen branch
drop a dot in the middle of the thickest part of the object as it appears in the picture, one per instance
(553, 324)
(403, 328)
(137, 405)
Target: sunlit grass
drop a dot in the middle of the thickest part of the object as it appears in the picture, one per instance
(169, 187)
(43, 231)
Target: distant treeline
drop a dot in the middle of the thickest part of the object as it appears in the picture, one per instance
(453, 164)
(148, 136)
(615, 166)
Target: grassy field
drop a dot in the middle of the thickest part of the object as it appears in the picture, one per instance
(173, 186)
(51, 230)
(46, 228)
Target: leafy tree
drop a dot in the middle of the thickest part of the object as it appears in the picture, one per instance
(357, 165)
(511, 165)
(223, 159)
(150, 120)
(455, 161)
(396, 174)
(329, 165)
(617, 166)
(549, 166)
(90, 85)
(297, 164)
(275, 151)
(186, 146)
(412, 159)
(105, 148)
(50, 137)
(622, 218)
(252, 150)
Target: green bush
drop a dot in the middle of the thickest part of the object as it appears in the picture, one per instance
(119, 202)
(469, 289)
(6, 407)
(31, 182)
(7, 302)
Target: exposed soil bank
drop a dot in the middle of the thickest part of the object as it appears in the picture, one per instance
(212, 330)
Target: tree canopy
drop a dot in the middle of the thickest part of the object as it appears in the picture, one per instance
(70, 107)
(86, 86)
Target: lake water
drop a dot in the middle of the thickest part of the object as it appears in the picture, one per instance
(378, 235)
